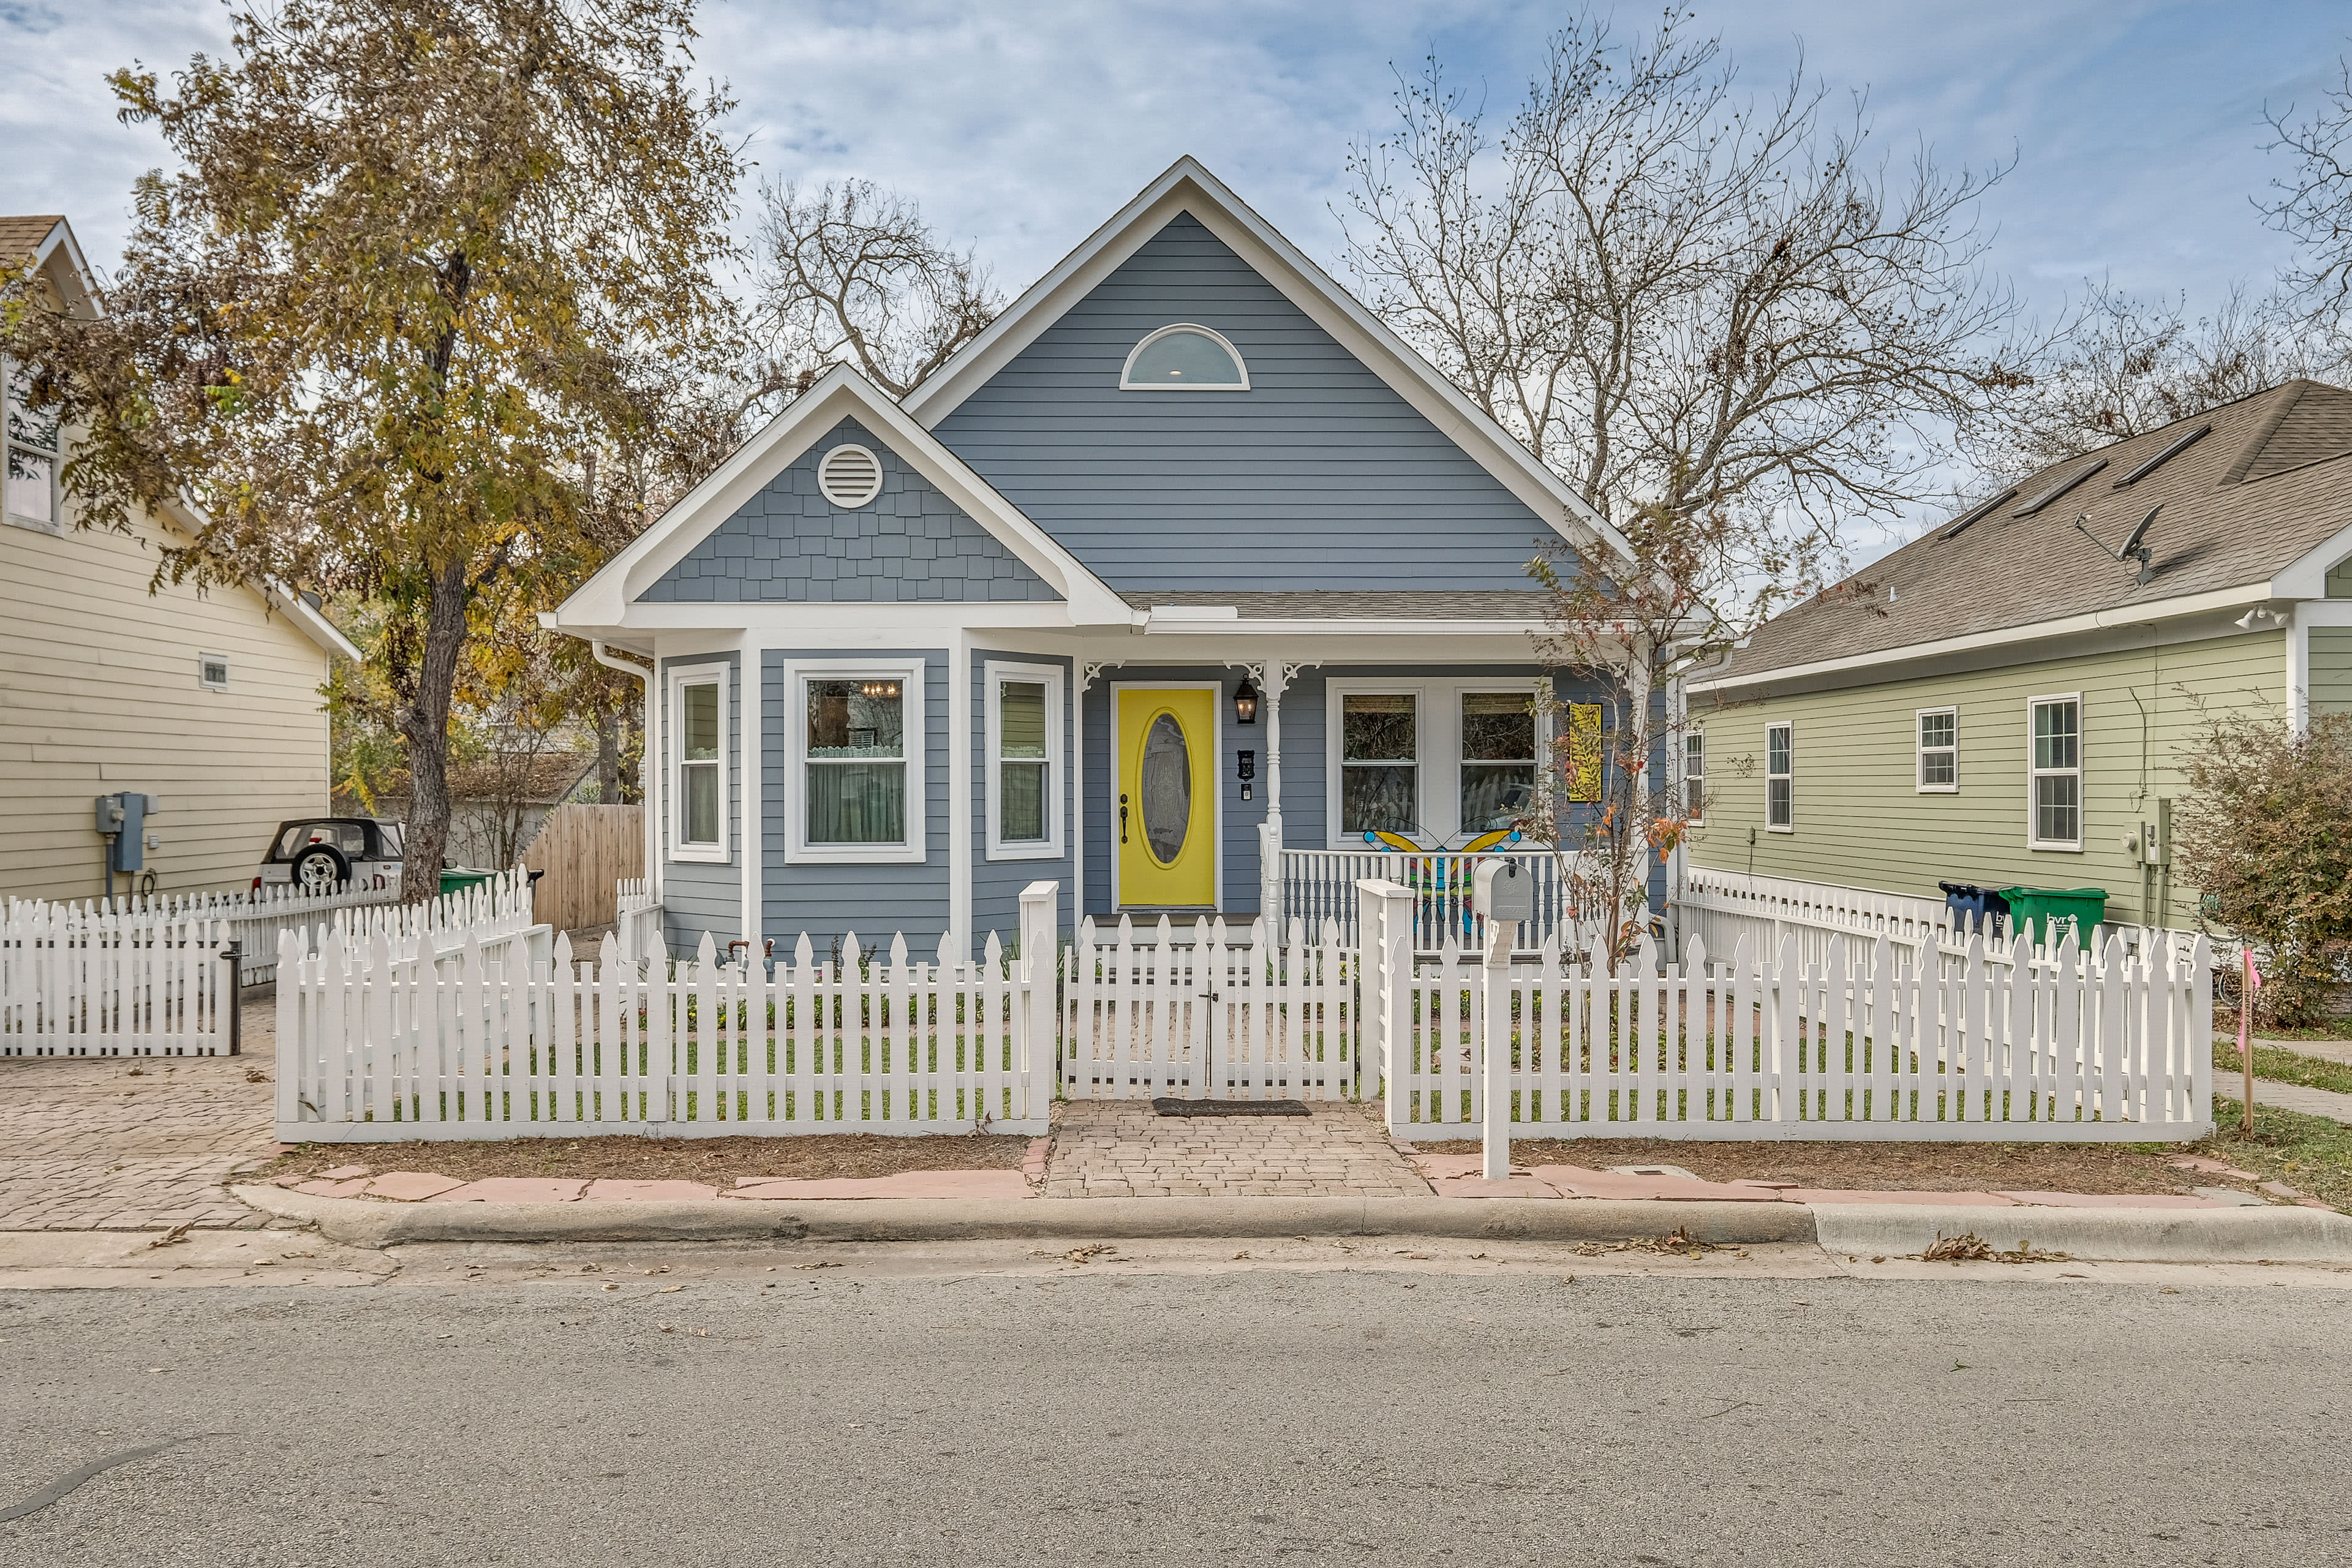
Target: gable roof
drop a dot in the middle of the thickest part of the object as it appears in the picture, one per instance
(21, 238)
(1188, 187)
(2257, 508)
(841, 392)
(45, 241)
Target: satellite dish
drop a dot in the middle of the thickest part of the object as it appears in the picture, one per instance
(2135, 548)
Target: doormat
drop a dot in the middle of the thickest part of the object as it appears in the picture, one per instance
(1231, 1107)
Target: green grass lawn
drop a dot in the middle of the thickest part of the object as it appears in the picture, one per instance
(2309, 1153)
(2280, 1066)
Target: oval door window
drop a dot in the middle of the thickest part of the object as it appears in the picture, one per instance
(1166, 786)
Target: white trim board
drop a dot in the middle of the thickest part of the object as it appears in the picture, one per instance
(605, 601)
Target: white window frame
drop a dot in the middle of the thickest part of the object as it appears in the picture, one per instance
(681, 677)
(995, 672)
(916, 733)
(220, 659)
(2082, 804)
(1438, 746)
(55, 523)
(1126, 371)
(1695, 737)
(1920, 749)
(1789, 727)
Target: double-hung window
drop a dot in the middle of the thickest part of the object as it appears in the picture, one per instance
(856, 762)
(1025, 749)
(29, 495)
(1695, 776)
(1780, 778)
(1380, 762)
(2055, 778)
(1498, 759)
(1938, 750)
(698, 707)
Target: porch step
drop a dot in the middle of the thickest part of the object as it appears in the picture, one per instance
(1231, 1107)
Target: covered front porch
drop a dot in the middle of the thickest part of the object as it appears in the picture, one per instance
(1258, 759)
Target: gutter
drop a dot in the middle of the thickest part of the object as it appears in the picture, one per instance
(2096, 620)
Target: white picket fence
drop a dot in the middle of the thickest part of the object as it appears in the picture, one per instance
(151, 988)
(254, 920)
(2009, 1047)
(636, 919)
(1726, 908)
(1145, 1016)
(375, 1045)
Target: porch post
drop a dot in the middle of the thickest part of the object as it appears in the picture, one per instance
(1269, 837)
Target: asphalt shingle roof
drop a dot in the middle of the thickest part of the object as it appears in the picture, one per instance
(2265, 487)
(20, 237)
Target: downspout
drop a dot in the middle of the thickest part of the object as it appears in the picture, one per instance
(649, 762)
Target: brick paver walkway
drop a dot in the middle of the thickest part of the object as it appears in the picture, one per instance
(1119, 1148)
(130, 1143)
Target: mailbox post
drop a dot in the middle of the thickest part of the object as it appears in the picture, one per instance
(1505, 892)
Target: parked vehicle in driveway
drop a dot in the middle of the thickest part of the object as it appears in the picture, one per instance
(332, 854)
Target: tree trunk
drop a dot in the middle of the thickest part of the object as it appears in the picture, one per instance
(424, 726)
(608, 753)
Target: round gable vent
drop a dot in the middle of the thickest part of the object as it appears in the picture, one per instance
(849, 475)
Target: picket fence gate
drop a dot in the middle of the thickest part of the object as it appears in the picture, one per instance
(2011, 1048)
(377, 1045)
(154, 987)
(1208, 1019)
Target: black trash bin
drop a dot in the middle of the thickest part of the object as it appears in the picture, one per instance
(1975, 908)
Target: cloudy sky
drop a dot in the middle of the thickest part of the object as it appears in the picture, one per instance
(2137, 128)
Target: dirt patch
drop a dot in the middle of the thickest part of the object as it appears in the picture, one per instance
(1876, 1167)
(717, 1162)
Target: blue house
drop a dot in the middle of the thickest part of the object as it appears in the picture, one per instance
(1175, 583)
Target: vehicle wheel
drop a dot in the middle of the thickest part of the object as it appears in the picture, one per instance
(320, 868)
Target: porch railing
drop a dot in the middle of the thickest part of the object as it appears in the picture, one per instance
(1318, 885)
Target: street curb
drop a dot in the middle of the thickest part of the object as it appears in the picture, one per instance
(2110, 1234)
(359, 1223)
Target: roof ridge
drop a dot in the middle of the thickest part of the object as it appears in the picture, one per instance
(2236, 472)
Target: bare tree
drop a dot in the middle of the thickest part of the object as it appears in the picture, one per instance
(2120, 365)
(852, 272)
(2313, 205)
(1686, 299)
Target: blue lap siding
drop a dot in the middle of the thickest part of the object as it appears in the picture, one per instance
(1320, 476)
(996, 884)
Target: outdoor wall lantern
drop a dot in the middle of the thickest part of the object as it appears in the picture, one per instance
(1245, 702)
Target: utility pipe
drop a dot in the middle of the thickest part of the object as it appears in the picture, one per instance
(648, 764)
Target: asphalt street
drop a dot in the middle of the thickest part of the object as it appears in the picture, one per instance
(777, 1412)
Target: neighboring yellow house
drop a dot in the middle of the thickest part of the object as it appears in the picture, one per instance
(2004, 701)
(208, 701)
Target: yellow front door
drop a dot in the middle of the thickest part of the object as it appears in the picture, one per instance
(1166, 813)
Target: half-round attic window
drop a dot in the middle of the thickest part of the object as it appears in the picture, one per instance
(1185, 358)
(849, 476)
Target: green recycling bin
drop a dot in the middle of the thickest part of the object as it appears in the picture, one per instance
(2048, 915)
(457, 878)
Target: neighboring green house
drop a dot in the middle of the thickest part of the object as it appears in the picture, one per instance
(2003, 701)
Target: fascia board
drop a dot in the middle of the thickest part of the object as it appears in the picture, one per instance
(2037, 631)
(609, 596)
(189, 520)
(2305, 577)
(1186, 186)
(77, 285)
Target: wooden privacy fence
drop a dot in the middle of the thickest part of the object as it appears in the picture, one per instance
(585, 851)
(374, 1047)
(1207, 1019)
(2073, 1048)
(74, 987)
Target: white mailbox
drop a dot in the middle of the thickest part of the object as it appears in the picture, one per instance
(1505, 891)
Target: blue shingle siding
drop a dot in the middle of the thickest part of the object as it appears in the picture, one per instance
(877, 901)
(996, 884)
(700, 896)
(1320, 476)
(789, 543)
